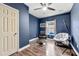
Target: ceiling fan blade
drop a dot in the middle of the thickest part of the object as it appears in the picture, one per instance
(51, 8)
(49, 4)
(42, 4)
(37, 8)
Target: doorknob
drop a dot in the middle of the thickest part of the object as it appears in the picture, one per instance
(15, 34)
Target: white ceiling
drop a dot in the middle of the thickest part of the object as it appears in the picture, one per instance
(60, 9)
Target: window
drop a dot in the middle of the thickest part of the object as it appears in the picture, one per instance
(50, 27)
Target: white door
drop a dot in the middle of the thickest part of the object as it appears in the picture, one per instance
(9, 30)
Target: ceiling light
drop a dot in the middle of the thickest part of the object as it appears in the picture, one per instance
(44, 8)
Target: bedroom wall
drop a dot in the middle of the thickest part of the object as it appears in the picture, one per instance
(60, 27)
(23, 23)
(75, 25)
(33, 26)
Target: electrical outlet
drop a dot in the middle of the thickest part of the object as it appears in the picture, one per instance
(77, 46)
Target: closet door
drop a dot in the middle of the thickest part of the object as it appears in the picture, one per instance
(9, 30)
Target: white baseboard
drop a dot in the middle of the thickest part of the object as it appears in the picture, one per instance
(74, 49)
(24, 47)
(34, 39)
(28, 44)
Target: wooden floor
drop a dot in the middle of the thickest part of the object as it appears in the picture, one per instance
(49, 49)
(53, 50)
(33, 50)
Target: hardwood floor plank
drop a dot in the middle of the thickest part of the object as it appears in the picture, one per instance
(20, 54)
(32, 52)
(27, 53)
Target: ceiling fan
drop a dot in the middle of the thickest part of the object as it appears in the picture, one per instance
(45, 6)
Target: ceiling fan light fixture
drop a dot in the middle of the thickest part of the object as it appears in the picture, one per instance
(44, 8)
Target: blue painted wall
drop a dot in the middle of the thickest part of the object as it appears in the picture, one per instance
(23, 23)
(75, 25)
(33, 26)
(60, 27)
